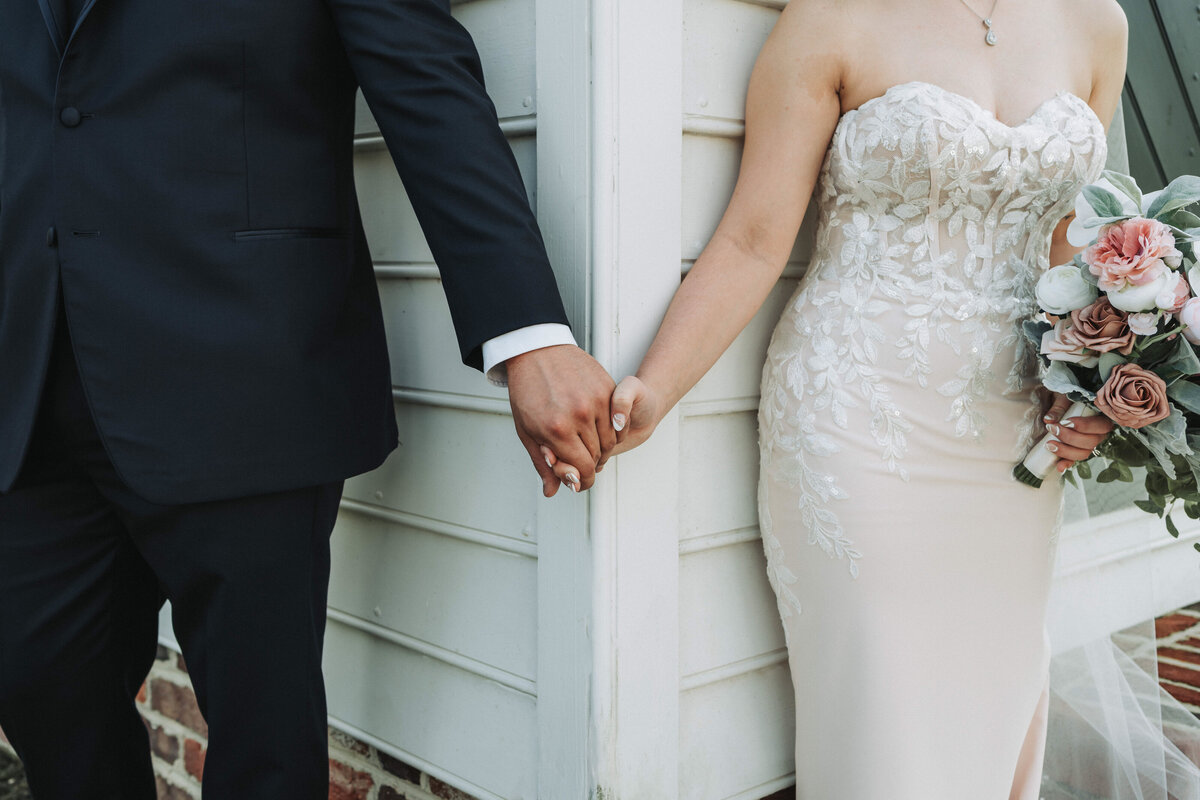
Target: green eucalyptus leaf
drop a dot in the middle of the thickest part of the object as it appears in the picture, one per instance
(1126, 184)
(1085, 272)
(1108, 361)
(1108, 475)
(1084, 468)
(1103, 202)
(1147, 506)
(1180, 221)
(1034, 330)
(1186, 394)
(1182, 358)
(1171, 529)
(1070, 476)
(1059, 378)
(1180, 193)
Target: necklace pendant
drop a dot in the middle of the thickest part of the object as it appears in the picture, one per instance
(990, 38)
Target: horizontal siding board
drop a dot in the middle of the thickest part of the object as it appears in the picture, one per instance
(503, 32)
(466, 725)
(721, 40)
(727, 609)
(424, 351)
(462, 467)
(718, 473)
(392, 229)
(474, 600)
(736, 734)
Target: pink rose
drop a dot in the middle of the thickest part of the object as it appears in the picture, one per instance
(1133, 397)
(1143, 324)
(1101, 328)
(1135, 251)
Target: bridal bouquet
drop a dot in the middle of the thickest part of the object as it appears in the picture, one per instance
(1119, 333)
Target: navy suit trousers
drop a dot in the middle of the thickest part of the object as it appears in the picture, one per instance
(85, 565)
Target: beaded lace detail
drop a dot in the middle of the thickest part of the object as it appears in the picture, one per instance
(934, 223)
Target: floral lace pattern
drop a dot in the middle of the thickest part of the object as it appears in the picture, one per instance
(935, 222)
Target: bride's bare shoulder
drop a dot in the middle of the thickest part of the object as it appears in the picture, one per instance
(820, 33)
(1103, 20)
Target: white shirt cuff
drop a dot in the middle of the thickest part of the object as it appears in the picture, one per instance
(523, 340)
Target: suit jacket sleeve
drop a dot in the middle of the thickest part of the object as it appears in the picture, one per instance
(420, 73)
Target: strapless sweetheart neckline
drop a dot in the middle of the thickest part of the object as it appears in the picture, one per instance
(974, 105)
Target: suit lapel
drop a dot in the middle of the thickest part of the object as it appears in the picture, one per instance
(83, 13)
(56, 34)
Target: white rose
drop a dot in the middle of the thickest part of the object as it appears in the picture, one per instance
(1189, 315)
(1145, 297)
(1143, 324)
(1193, 277)
(1062, 290)
(1166, 299)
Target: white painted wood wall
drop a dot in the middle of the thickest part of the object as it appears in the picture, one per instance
(623, 645)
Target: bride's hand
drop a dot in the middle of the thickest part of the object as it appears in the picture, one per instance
(636, 411)
(1077, 436)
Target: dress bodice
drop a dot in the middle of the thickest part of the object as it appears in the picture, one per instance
(935, 196)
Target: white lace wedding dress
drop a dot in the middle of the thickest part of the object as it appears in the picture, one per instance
(912, 571)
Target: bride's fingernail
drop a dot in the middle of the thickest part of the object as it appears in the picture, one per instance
(619, 422)
(549, 463)
(572, 479)
(1053, 429)
(1048, 418)
(1052, 447)
(1066, 423)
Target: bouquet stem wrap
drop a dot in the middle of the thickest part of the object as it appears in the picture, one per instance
(1040, 461)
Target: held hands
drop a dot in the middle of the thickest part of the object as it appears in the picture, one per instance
(1077, 436)
(560, 402)
(636, 411)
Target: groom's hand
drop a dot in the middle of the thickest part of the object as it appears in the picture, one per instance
(560, 401)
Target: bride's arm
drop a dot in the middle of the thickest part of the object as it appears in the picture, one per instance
(1108, 34)
(792, 109)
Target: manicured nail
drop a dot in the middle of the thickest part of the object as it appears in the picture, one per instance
(572, 479)
(549, 463)
(1068, 424)
(1048, 418)
(1053, 429)
(619, 422)
(1052, 447)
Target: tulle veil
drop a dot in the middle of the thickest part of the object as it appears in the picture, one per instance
(1114, 733)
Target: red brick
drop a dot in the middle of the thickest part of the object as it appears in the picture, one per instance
(179, 662)
(1175, 623)
(346, 783)
(1186, 656)
(141, 695)
(177, 703)
(1183, 694)
(1184, 675)
(194, 754)
(401, 770)
(447, 792)
(1191, 641)
(163, 745)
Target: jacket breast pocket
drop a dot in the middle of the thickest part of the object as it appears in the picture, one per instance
(276, 234)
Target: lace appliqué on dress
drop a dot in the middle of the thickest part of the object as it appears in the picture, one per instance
(935, 221)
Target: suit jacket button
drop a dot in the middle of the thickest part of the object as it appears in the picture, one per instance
(70, 116)
(51, 237)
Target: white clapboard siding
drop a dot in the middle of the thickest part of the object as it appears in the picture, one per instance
(736, 717)
(432, 652)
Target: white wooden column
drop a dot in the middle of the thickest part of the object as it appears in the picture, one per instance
(637, 85)
(564, 189)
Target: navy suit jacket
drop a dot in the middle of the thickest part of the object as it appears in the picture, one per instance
(183, 169)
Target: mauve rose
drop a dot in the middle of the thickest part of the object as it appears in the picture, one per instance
(1133, 397)
(1100, 328)
(1189, 316)
(1134, 251)
(1055, 349)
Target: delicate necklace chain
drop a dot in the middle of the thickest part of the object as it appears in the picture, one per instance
(990, 37)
